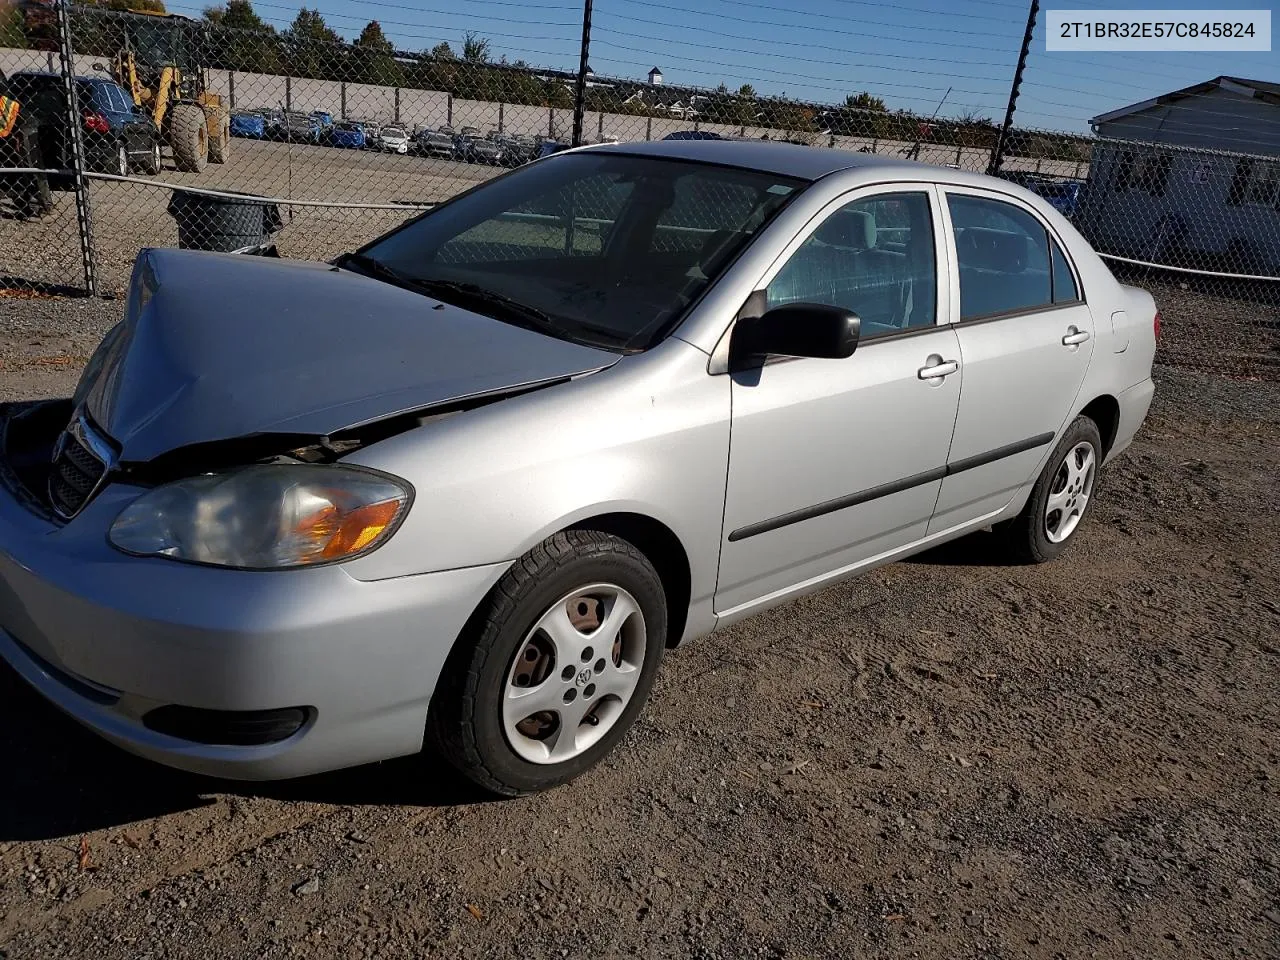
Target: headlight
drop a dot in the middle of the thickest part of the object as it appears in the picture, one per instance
(264, 517)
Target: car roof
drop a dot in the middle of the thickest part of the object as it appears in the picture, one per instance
(783, 159)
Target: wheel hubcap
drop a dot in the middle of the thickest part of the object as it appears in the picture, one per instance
(122, 161)
(574, 674)
(1069, 493)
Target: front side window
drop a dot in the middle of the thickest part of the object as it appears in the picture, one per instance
(1002, 252)
(874, 257)
(609, 248)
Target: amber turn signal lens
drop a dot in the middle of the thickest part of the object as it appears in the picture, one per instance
(336, 534)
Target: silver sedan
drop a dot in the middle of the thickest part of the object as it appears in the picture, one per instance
(464, 486)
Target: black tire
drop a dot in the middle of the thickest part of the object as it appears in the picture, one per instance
(1026, 536)
(465, 721)
(220, 145)
(120, 167)
(154, 162)
(188, 138)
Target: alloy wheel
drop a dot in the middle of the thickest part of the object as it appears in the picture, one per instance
(574, 673)
(1069, 493)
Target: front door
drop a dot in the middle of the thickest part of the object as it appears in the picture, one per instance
(834, 462)
(1026, 338)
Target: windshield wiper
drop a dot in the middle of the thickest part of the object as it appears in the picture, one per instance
(497, 305)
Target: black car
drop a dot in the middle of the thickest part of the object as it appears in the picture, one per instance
(117, 137)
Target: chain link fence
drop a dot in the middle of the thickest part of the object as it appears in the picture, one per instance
(200, 134)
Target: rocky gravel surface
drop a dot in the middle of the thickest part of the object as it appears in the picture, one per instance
(946, 758)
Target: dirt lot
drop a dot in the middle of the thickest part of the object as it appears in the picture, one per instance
(946, 758)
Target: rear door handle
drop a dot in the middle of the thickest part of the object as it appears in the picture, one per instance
(1075, 337)
(938, 370)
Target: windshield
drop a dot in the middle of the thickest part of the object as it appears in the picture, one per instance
(608, 247)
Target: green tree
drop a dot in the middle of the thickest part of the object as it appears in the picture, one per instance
(314, 48)
(475, 49)
(747, 91)
(863, 101)
(373, 58)
(239, 39)
(442, 51)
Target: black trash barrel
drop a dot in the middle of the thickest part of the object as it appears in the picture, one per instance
(222, 223)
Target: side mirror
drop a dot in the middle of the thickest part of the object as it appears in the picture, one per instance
(796, 330)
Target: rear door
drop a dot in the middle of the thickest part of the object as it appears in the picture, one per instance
(1026, 339)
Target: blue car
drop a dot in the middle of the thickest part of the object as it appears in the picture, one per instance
(348, 134)
(249, 123)
(324, 118)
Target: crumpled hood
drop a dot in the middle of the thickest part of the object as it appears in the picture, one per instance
(220, 346)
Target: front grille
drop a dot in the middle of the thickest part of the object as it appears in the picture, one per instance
(77, 473)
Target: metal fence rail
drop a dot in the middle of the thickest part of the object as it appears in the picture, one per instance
(319, 145)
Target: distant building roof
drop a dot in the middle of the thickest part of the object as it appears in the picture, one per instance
(1264, 90)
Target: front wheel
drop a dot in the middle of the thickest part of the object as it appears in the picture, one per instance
(1061, 497)
(555, 665)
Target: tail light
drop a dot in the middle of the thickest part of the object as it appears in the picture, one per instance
(95, 122)
(1156, 324)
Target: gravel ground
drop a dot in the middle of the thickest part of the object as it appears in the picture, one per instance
(948, 757)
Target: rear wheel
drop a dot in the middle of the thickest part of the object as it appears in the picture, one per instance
(1061, 497)
(154, 161)
(220, 145)
(120, 166)
(555, 665)
(189, 138)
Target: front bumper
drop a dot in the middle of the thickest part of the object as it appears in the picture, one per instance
(108, 638)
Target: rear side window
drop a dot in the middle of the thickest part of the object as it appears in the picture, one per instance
(1003, 255)
(1064, 284)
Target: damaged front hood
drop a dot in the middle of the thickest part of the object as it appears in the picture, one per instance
(220, 346)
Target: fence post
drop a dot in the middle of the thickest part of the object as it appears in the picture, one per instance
(342, 95)
(648, 128)
(502, 118)
(1002, 142)
(397, 102)
(580, 87)
(288, 92)
(449, 107)
(231, 89)
(84, 216)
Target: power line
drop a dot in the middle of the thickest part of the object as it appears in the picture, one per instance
(814, 46)
(794, 25)
(773, 40)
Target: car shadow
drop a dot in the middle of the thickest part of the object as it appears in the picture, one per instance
(60, 779)
(980, 549)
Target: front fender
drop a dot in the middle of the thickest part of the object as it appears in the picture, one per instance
(649, 435)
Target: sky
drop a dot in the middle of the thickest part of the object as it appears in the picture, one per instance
(908, 53)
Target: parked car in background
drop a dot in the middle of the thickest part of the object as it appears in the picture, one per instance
(548, 147)
(118, 138)
(324, 118)
(393, 140)
(301, 128)
(476, 149)
(470, 131)
(249, 123)
(693, 135)
(1063, 192)
(348, 134)
(315, 575)
(434, 143)
(516, 149)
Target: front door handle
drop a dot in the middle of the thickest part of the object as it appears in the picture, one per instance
(938, 370)
(1075, 337)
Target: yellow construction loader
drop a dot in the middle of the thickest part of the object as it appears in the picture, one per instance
(160, 61)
